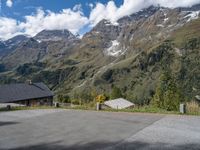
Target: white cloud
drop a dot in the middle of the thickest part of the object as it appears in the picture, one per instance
(8, 28)
(77, 7)
(66, 19)
(74, 19)
(9, 3)
(111, 12)
(91, 5)
(177, 3)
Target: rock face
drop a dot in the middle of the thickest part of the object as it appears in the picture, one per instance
(193, 8)
(48, 44)
(54, 35)
(2, 46)
(129, 54)
(16, 40)
(145, 13)
(10, 45)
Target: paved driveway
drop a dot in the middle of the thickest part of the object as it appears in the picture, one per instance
(72, 129)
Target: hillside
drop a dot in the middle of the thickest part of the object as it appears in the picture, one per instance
(131, 56)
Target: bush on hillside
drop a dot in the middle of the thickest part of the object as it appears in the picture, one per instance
(63, 98)
(2, 68)
(101, 98)
(116, 93)
(167, 95)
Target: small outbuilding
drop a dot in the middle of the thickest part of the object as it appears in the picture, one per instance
(119, 103)
(29, 94)
(197, 99)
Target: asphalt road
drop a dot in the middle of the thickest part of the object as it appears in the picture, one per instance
(74, 130)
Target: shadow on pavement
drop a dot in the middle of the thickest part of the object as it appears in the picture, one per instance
(136, 145)
(7, 123)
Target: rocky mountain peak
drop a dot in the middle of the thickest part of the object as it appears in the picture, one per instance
(193, 8)
(54, 35)
(105, 29)
(16, 40)
(144, 13)
(104, 24)
(2, 45)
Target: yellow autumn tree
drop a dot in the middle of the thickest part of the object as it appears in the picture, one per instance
(100, 98)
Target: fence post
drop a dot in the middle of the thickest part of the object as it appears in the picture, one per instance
(182, 108)
(56, 105)
(8, 107)
(98, 106)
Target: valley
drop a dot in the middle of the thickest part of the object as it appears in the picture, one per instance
(131, 55)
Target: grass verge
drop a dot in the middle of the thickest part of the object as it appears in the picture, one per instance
(143, 109)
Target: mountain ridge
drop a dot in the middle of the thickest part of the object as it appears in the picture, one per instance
(129, 55)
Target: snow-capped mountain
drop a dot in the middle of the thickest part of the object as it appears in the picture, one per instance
(16, 40)
(117, 39)
(129, 54)
(46, 44)
(10, 45)
(54, 35)
(151, 25)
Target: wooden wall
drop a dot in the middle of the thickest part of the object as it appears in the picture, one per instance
(37, 102)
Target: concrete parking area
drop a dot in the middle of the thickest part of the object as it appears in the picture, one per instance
(72, 129)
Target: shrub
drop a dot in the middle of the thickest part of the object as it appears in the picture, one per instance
(192, 108)
(193, 43)
(101, 98)
(75, 102)
(66, 99)
(63, 98)
(107, 76)
(116, 93)
(167, 95)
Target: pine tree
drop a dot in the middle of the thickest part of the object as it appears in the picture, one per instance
(157, 98)
(167, 95)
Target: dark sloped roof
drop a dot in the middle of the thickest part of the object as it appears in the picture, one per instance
(22, 91)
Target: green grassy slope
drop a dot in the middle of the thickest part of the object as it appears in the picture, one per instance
(136, 75)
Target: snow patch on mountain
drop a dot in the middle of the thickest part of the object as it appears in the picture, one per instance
(114, 49)
(160, 25)
(112, 24)
(192, 15)
(39, 41)
(166, 19)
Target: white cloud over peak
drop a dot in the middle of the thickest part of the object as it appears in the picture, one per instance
(177, 3)
(66, 19)
(9, 3)
(111, 12)
(74, 20)
(8, 28)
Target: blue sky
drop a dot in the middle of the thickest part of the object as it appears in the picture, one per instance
(78, 16)
(21, 8)
(18, 9)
